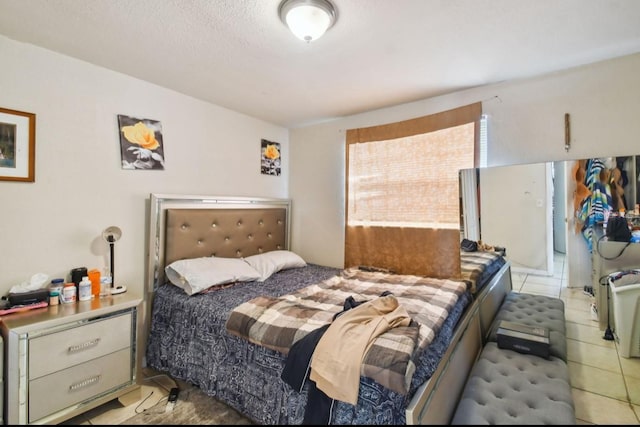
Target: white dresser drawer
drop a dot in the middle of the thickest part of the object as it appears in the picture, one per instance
(62, 389)
(61, 361)
(60, 350)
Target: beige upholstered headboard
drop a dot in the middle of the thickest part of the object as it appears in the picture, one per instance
(228, 233)
(183, 227)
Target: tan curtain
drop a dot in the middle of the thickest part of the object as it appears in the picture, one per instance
(403, 203)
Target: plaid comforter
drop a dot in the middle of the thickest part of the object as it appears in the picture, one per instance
(477, 266)
(277, 323)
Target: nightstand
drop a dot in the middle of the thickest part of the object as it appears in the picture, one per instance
(65, 359)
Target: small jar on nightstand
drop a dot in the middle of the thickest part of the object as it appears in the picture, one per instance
(55, 290)
(68, 294)
(105, 286)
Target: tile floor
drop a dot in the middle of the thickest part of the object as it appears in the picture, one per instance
(606, 386)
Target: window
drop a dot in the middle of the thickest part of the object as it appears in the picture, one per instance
(482, 143)
(410, 181)
(403, 186)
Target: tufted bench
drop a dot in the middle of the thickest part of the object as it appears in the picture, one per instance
(535, 310)
(507, 387)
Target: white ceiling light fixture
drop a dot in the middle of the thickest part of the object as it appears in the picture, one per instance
(308, 19)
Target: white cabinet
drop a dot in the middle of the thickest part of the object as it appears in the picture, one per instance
(66, 359)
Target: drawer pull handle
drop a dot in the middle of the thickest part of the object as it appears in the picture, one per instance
(84, 383)
(84, 346)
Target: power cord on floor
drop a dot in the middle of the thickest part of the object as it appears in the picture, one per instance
(154, 377)
(171, 398)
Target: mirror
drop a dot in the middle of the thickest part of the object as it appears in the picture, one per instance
(530, 210)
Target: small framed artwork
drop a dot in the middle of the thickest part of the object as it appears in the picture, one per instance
(17, 145)
(141, 143)
(270, 158)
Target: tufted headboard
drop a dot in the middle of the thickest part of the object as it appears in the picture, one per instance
(228, 233)
(183, 227)
(186, 226)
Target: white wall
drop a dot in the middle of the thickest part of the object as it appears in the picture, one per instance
(54, 224)
(526, 125)
(515, 212)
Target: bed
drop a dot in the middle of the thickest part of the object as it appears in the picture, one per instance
(478, 267)
(189, 340)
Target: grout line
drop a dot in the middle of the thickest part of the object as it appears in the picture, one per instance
(628, 401)
(580, 298)
(603, 395)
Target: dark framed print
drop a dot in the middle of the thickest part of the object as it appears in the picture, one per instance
(17, 145)
(141, 145)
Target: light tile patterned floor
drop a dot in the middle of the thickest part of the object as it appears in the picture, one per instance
(605, 386)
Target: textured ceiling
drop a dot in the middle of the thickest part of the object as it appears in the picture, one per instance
(239, 55)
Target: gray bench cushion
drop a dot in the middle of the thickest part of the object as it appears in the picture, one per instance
(506, 387)
(535, 310)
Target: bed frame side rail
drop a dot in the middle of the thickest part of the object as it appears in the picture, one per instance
(436, 400)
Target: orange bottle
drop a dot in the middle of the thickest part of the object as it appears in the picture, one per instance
(94, 277)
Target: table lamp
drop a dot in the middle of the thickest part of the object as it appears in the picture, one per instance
(111, 235)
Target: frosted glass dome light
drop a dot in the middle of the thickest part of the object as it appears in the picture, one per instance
(308, 19)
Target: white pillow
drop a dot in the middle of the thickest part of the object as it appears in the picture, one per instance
(271, 262)
(198, 274)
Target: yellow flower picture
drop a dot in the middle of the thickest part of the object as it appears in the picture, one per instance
(141, 143)
(271, 158)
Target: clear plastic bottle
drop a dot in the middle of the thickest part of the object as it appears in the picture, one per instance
(105, 286)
